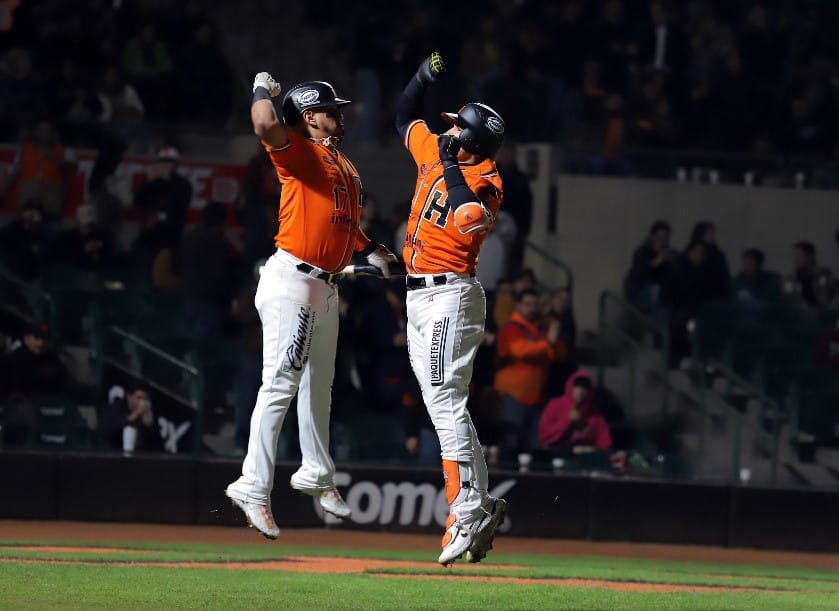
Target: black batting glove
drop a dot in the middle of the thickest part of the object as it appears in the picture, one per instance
(449, 146)
(431, 68)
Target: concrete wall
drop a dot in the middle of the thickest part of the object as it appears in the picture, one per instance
(602, 220)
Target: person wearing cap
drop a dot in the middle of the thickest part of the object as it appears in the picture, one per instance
(34, 368)
(297, 295)
(571, 422)
(163, 200)
(86, 245)
(456, 199)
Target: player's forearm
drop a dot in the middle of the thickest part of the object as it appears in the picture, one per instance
(410, 105)
(265, 121)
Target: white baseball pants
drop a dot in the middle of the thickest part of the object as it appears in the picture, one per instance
(299, 317)
(445, 328)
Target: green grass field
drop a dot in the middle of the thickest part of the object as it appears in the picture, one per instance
(127, 578)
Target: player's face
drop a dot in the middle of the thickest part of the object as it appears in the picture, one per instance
(331, 121)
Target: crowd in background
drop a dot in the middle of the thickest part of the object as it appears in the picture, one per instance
(604, 78)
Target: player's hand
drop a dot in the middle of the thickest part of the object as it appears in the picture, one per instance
(449, 147)
(381, 258)
(266, 81)
(472, 217)
(431, 68)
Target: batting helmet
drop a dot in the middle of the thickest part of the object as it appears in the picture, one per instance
(306, 96)
(483, 128)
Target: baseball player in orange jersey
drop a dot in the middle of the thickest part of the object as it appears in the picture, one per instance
(297, 298)
(458, 193)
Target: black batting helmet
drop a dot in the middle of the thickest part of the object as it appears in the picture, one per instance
(306, 96)
(483, 128)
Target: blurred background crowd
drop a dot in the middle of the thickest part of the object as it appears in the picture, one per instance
(623, 87)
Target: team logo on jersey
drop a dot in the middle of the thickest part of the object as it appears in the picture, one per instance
(437, 351)
(495, 125)
(307, 97)
(435, 206)
(297, 352)
(424, 169)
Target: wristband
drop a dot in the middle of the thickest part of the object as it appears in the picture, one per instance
(261, 93)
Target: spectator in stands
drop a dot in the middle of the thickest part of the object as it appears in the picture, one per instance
(753, 288)
(85, 245)
(127, 422)
(373, 223)
(39, 172)
(209, 266)
(525, 353)
(166, 194)
(35, 368)
(811, 285)
(649, 284)
(827, 352)
(383, 356)
(123, 110)
(250, 359)
(715, 265)
(690, 291)
(518, 201)
(491, 265)
(24, 242)
(22, 96)
(210, 77)
(505, 298)
(571, 423)
(147, 61)
(558, 307)
(257, 208)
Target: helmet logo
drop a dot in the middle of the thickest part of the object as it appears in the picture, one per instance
(495, 125)
(307, 97)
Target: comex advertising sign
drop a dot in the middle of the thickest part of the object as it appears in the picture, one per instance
(402, 503)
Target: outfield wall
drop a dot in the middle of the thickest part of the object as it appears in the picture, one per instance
(176, 490)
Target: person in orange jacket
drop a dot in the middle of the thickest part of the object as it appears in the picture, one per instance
(525, 352)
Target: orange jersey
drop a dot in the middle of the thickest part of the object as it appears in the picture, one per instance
(432, 242)
(320, 205)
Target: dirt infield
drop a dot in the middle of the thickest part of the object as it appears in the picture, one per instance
(31, 530)
(25, 532)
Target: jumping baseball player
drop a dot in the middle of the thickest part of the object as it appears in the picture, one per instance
(297, 298)
(458, 194)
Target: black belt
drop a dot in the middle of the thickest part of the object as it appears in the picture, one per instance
(320, 275)
(421, 282)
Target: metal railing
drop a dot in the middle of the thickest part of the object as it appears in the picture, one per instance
(634, 328)
(568, 281)
(133, 363)
(709, 397)
(38, 303)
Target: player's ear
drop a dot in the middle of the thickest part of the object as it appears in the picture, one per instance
(309, 118)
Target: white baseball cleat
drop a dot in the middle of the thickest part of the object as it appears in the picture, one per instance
(258, 516)
(485, 531)
(329, 498)
(456, 540)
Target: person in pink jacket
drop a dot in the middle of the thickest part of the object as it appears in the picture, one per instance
(572, 422)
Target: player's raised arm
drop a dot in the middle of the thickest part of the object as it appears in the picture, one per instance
(266, 124)
(409, 106)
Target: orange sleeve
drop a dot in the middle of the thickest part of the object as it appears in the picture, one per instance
(361, 240)
(285, 158)
(417, 141)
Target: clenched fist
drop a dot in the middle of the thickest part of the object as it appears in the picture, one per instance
(431, 68)
(266, 81)
(449, 147)
(381, 258)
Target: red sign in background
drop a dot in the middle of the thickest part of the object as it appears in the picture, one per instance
(211, 181)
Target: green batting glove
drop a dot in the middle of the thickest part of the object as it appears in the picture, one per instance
(431, 68)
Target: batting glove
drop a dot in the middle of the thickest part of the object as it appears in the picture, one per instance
(431, 68)
(449, 147)
(266, 81)
(381, 258)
